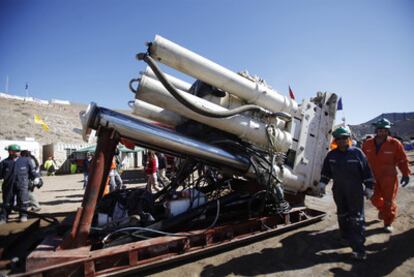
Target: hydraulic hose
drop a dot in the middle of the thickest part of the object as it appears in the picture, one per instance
(181, 98)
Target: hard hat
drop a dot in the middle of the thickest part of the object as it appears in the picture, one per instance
(383, 123)
(13, 147)
(341, 132)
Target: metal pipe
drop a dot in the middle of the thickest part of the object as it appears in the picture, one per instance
(247, 129)
(230, 101)
(188, 62)
(154, 137)
(178, 83)
(155, 113)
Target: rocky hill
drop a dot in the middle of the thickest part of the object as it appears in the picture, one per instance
(403, 125)
(17, 121)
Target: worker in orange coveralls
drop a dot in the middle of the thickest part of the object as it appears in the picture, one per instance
(384, 154)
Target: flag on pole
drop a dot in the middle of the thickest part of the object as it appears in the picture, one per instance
(40, 121)
(291, 95)
(339, 107)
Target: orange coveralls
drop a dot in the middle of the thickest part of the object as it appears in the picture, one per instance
(383, 164)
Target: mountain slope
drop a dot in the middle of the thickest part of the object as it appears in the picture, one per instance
(17, 121)
(403, 125)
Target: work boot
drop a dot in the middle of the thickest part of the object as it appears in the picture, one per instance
(388, 228)
(23, 218)
(359, 256)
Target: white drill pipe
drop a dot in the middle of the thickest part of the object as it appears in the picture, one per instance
(155, 113)
(291, 181)
(153, 92)
(203, 69)
(229, 101)
(177, 83)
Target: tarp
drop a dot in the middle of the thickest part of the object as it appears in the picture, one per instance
(121, 149)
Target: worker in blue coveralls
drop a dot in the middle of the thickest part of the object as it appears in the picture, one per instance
(352, 179)
(16, 172)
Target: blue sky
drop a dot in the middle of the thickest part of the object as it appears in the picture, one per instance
(84, 51)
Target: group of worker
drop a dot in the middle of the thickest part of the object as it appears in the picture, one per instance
(370, 172)
(114, 178)
(20, 174)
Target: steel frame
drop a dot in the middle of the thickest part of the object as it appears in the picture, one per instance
(150, 253)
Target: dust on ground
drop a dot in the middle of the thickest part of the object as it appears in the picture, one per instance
(312, 250)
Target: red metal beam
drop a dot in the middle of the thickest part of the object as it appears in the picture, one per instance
(98, 174)
(155, 252)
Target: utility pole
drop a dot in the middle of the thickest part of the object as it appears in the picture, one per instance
(27, 89)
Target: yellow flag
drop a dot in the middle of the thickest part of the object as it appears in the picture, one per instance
(37, 119)
(40, 121)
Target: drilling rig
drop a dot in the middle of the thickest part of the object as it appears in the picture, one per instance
(246, 157)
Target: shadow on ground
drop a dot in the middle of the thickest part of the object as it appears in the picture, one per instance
(307, 248)
(69, 196)
(19, 239)
(59, 190)
(59, 202)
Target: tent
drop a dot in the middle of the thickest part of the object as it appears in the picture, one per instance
(121, 148)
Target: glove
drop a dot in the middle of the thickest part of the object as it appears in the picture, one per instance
(321, 188)
(38, 182)
(369, 193)
(404, 180)
(31, 186)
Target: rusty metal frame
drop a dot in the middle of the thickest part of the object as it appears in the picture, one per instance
(150, 253)
(98, 174)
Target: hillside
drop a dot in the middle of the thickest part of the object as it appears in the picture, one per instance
(17, 121)
(403, 125)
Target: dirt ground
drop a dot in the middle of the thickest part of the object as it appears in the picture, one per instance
(311, 250)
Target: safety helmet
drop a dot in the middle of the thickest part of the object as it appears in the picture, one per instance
(341, 132)
(383, 123)
(13, 147)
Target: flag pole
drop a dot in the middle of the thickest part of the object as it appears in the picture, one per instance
(27, 90)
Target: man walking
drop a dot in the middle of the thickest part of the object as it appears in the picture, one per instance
(86, 163)
(384, 155)
(33, 203)
(348, 167)
(16, 172)
(162, 168)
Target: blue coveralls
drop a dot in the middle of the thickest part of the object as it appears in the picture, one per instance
(349, 170)
(16, 173)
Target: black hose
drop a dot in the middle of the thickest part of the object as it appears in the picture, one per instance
(181, 98)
